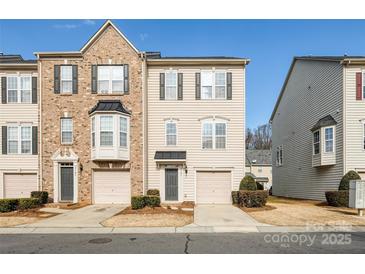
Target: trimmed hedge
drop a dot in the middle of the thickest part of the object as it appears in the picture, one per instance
(27, 203)
(137, 202)
(338, 198)
(153, 192)
(256, 198)
(248, 183)
(7, 205)
(235, 196)
(42, 195)
(345, 181)
(152, 201)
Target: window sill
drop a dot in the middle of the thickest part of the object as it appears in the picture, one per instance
(66, 94)
(110, 94)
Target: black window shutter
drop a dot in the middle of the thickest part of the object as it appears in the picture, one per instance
(3, 90)
(34, 90)
(75, 84)
(4, 139)
(94, 79)
(197, 86)
(229, 85)
(57, 82)
(34, 140)
(179, 86)
(126, 79)
(162, 86)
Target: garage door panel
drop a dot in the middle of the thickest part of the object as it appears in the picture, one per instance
(112, 187)
(213, 187)
(19, 185)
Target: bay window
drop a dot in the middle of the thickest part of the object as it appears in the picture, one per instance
(316, 142)
(329, 139)
(214, 134)
(123, 132)
(106, 130)
(93, 132)
(110, 79)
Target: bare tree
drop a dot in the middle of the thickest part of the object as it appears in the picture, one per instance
(249, 138)
(259, 138)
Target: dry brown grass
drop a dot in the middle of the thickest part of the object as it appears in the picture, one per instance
(29, 216)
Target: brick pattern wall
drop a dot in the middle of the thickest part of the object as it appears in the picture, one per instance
(109, 46)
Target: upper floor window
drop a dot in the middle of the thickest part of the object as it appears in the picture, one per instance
(19, 139)
(171, 133)
(93, 132)
(66, 79)
(279, 155)
(214, 134)
(213, 85)
(66, 131)
(171, 85)
(19, 89)
(329, 144)
(110, 79)
(106, 130)
(316, 142)
(123, 132)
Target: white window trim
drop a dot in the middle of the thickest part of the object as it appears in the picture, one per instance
(319, 142)
(333, 140)
(112, 130)
(120, 131)
(19, 90)
(62, 80)
(174, 72)
(279, 151)
(214, 85)
(176, 133)
(72, 129)
(110, 89)
(93, 132)
(19, 139)
(213, 122)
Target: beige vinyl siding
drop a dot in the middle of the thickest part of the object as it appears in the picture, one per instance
(17, 113)
(314, 90)
(188, 112)
(354, 117)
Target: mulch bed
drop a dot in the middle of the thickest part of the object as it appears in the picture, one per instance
(155, 210)
(66, 205)
(31, 213)
(257, 209)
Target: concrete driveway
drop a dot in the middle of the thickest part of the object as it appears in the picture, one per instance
(222, 215)
(89, 216)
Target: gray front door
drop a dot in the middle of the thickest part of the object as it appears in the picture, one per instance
(67, 183)
(171, 185)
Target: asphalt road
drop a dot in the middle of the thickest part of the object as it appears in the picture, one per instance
(184, 243)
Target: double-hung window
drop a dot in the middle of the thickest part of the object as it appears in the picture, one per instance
(213, 85)
(26, 139)
(110, 79)
(19, 139)
(106, 130)
(66, 79)
(316, 142)
(279, 155)
(13, 139)
(328, 139)
(171, 85)
(19, 89)
(214, 134)
(66, 131)
(123, 132)
(171, 133)
(93, 132)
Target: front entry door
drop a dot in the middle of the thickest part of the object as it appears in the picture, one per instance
(171, 185)
(67, 182)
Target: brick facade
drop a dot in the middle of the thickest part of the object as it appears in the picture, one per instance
(109, 48)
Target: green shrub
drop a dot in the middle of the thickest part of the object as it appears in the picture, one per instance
(152, 201)
(137, 202)
(7, 205)
(42, 195)
(259, 186)
(248, 183)
(338, 198)
(345, 181)
(153, 192)
(249, 198)
(235, 197)
(27, 203)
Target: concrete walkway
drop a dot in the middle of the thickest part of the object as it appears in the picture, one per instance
(222, 216)
(89, 216)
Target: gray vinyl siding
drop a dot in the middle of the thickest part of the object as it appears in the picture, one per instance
(314, 90)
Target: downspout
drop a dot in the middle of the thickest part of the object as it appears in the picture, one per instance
(344, 119)
(40, 185)
(144, 121)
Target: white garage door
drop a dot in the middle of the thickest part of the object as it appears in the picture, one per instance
(213, 187)
(112, 187)
(19, 185)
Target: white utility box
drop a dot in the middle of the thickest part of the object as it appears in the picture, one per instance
(357, 194)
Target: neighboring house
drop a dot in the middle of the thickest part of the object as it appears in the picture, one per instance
(18, 123)
(258, 165)
(318, 126)
(195, 125)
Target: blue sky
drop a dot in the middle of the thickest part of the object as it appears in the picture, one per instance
(270, 44)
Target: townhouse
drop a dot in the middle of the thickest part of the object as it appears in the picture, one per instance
(258, 165)
(318, 125)
(115, 122)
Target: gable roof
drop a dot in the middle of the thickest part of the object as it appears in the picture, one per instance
(324, 122)
(258, 157)
(339, 59)
(109, 105)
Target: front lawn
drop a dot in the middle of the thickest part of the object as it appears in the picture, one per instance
(14, 218)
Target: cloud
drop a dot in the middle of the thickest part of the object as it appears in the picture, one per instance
(143, 36)
(89, 22)
(86, 22)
